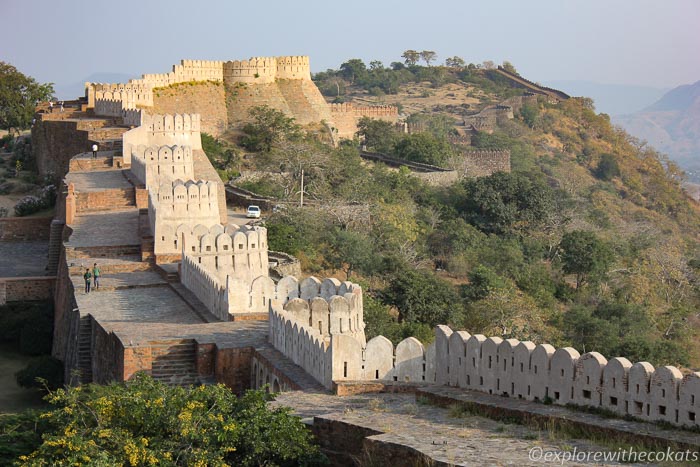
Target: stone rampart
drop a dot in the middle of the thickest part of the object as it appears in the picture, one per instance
(21, 289)
(161, 130)
(256, 70)
(481, 163)
(342, 357)
(332, 307)
(134, 94)
(175, 209)
(154, 165)
(537, 372)
(23, 229)
(187, 70)
(262, 70)
(346, 115)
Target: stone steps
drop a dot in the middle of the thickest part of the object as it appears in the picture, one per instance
(107, 200)
(175, 363)
(124, 264)
(55, 241)
(85, 350)
(102, 252)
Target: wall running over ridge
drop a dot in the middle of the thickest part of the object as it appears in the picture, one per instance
(345, 116)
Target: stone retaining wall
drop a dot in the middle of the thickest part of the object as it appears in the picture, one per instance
(24, 229)
(20, 289)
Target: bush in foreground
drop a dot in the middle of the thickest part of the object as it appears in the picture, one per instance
(144, 422)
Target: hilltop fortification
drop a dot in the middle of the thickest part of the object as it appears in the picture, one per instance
(224, 91)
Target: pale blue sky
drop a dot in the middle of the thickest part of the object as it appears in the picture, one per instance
(642, 42)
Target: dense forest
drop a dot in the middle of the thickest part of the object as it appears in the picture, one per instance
(589, 241)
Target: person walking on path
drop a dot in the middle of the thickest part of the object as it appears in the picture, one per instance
(87, 277)
(94, 151)
(96, 277)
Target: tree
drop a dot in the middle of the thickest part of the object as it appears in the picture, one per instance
(488, 64)
(19, 95)
(584, 254)
(509, 67)
(422, 297)
(350, 251)
(454, 62)
(353, 70)
(376, 65)
(424, 148)
(607, 168)
(411, 57)
(507, 202)
(145, 422)
(377, 134)
(428, 56)
(269, 127)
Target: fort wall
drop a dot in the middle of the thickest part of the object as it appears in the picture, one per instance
(22, 229)
(162, 130)
(205, 98)
(154, 165)
(187, 70)
(346, 115)
(175, 209)
(480, 163)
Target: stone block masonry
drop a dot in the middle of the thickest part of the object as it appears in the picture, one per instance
(22, 229)
(20, 289)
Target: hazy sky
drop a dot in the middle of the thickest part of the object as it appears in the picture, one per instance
(642, 42)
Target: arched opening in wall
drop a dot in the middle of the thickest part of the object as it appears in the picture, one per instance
(276, 386)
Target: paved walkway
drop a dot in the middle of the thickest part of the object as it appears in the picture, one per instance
(441, 434)
(106, 228)
(94, 181)
(23, 259)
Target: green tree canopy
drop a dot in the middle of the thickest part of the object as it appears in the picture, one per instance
(18, 97)
(423, 297)
(269, 127)
(378, 135)
(353, 69)
(144, 422)
(507, 202)
(584, 254)
(424, 147)
(411, 56)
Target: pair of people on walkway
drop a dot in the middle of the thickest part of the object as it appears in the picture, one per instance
(94, 275)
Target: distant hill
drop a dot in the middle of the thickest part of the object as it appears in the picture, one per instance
(65, 91)
(612, 99)
(671, 125)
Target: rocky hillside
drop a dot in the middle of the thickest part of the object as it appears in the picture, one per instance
(671, 125)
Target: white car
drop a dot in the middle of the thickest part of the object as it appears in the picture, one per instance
(253, 212)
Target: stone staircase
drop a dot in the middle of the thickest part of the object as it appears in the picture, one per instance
(85, 350)
(55, 242)
(174, 362)
(106, 200)
(121, 265)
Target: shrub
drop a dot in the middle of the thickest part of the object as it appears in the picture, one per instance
(49, 369)
(31, 204)
(28, 205)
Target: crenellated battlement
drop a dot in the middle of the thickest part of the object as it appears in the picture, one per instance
(293, 67)
(262, 70)
(372, 111)
(256, 70)
(332, 307)
(155, 165)
(163, 130)
(179, 207)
